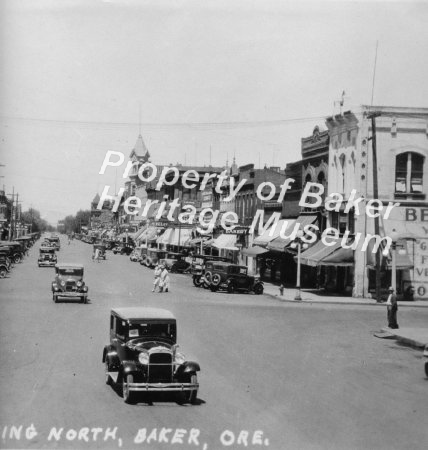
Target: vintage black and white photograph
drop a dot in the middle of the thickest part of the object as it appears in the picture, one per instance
(214, 224)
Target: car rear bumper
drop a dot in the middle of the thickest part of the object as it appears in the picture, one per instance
(160, 387)
(47, 263)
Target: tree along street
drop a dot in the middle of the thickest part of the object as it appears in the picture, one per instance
(273, 375)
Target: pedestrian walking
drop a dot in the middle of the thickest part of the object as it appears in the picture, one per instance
(97, 254)
(164, 280)
(157, 273)
(392, 308)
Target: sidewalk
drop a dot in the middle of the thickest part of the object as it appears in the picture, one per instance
(308, 296)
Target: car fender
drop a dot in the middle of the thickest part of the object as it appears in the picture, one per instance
(188, 367)
(111, 353)
(128, 367)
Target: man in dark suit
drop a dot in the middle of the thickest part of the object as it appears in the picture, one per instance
(392, 308)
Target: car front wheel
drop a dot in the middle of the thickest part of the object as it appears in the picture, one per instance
(55, 298)
(216, 279)
(258, 289)
(128, 396)
(3, 273)
(197, 281)
(231, 288)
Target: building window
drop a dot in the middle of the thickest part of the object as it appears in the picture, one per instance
(322, 180)
(409, 170)
(342, 160)
(343, 221)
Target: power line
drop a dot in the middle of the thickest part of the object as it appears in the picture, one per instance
(166, 125)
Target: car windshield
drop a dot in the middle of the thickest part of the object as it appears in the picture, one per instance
(172, 256)
(152, 330)
(75, 272)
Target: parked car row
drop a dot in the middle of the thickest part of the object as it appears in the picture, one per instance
(13, 252)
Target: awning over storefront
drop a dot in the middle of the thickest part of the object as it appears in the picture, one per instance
(139, 232)
(150, 234)
(402, 262)
(197, 241)
(181, 237)
(225, 242)
(323, 255)
(264, 239)
(279, 244)
(402, 258)
(253, 251)
(166, 237)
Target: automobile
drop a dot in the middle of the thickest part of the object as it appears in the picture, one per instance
(231, 277)
(56, 241)
(154, 256)
(139, 254)
(123, 249)
(198, 268)
(16, 253)
(47, 257)
(69, 283)
(101, 249)
(175, 262)
(425, 354)
(6, 258)
(5, 266)
(143, 355)
(111, 244)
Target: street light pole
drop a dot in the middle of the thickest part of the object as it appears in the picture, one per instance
(298, 296)
(394, 238)
(298, 243)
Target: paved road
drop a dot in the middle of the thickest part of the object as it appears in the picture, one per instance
(287, 375)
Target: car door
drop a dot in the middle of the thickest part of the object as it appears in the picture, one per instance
(118, 336)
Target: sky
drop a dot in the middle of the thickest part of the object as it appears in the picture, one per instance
(203, 81)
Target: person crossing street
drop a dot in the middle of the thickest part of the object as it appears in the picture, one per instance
(164, 280)
(157, 274)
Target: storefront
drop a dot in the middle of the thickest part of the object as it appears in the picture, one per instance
(408, 227)
(331, 267)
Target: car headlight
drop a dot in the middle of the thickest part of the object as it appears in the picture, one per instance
(143, 358)
(179, 358)
(79, 284)
(62, 283)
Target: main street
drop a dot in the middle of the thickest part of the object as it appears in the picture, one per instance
(291, 375)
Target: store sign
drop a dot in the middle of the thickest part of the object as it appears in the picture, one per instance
(271, 205)
(416, 214)
(161, 223)
(414, 223)
(240, 230)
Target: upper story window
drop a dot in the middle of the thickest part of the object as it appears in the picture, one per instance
(409, 171)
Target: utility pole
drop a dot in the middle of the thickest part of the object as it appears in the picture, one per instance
(12, 212)
(373, 116)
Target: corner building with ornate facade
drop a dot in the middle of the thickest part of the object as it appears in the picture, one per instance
(402, 172)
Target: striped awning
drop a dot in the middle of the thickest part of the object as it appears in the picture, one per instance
(225, 242)
(322, 255)
(273, 232)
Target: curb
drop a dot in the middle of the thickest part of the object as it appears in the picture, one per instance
(338, 302)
